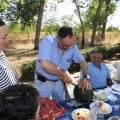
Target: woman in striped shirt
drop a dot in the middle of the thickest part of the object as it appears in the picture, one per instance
(8, 75)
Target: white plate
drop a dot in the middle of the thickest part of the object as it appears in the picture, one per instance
(116, 87)
(114, 116)
(85, 113)
(98, 93)
(109, 108)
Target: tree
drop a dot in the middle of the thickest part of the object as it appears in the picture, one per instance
(21, 13)
(109, 9)
(79, 4)
(39, 21)
(3, 4)
(95, 22)
(50, 25)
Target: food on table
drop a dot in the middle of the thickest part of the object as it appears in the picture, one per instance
(104, 108)
(114, 118)
(102, 96)
(100, 103)
(83, 96)
(79, 117)
(83, 115)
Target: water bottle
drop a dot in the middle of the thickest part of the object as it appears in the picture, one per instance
(97, 110)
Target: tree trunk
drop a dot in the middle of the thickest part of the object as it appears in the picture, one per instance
(28, 34)
(83, 30)
(103, 31)
(95, 22)
(104, 24)
(39, 21)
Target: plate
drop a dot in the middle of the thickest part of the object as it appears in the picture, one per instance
(85, 113)
(107, 109)
(100, 96)
(114, 116)
(116, 87)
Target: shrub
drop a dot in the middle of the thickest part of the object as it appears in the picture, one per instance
(27, 71)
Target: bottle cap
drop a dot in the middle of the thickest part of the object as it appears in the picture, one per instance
(97, 104)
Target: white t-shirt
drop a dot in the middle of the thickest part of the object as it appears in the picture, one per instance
(8, 76)
(117, 73)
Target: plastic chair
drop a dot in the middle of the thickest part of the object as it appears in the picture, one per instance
(112, 70)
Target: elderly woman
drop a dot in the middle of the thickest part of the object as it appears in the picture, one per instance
(8, 75)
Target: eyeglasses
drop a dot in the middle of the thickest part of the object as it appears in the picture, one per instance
(67, 46)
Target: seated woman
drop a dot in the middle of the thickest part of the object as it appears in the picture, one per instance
(98, 72)
(19, 102)
(8, 76)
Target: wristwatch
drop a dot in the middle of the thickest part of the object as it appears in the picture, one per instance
(86, 76)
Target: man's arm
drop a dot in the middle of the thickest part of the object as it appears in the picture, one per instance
(51, 68)
(84, 83)
(109, 82)
(83, 66)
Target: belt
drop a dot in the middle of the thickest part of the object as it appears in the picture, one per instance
(47, 79)
(99, 88)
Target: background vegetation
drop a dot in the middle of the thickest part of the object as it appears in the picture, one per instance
(25, 17)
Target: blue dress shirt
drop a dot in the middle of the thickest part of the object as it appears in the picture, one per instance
(49, 50)
(98, 76)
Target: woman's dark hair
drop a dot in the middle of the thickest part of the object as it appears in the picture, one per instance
(18, 102)
(1, 22)
(65, 31)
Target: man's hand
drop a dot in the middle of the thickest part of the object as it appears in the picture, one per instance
(67, 78)
(84, 84)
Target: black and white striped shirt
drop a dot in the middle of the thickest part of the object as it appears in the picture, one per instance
(8, 76)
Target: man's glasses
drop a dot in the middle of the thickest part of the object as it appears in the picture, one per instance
(67, 46)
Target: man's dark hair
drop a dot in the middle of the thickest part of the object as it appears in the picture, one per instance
(1, 22)
(96, 51)
(65, 31)
(18, 102)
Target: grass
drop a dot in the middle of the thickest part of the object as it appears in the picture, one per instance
(111, 38)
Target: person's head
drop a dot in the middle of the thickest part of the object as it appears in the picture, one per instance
(19, 102)
(3, 35)
(66, 37)
(96, 57)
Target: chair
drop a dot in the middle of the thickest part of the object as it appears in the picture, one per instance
(112, 70)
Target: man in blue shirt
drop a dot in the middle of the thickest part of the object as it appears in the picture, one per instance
(98, 72)
(56, 53)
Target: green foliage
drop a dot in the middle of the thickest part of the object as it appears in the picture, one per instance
(50, 26)
(21, 12)
(106, 11)
(14, 28)
(111, 29)
(17, 29)
(28, 71)
(107, 50)
(3, 5)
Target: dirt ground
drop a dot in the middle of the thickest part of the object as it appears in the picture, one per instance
(18, 54)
